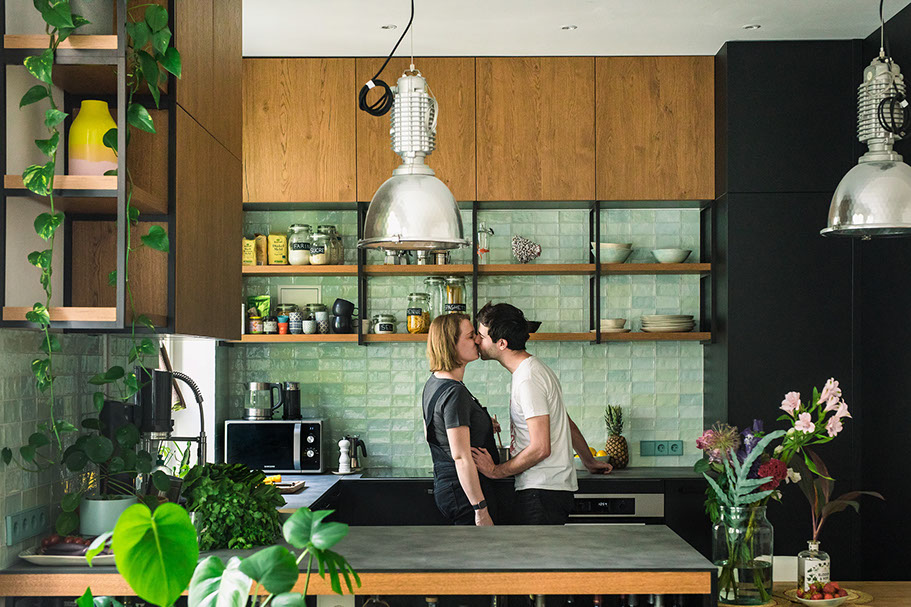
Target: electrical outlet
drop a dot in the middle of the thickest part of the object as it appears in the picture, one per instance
(647, 447)
(661, 447)
(28, 523)
(335, 601)
(675, 447)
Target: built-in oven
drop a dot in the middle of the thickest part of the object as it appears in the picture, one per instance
(614, 508)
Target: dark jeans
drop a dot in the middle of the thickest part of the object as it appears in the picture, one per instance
(543, 506)
(450, 498)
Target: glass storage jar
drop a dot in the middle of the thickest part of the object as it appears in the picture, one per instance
(418, 312)
(383, 324)
(332, 246)
(285, 309)
(299, 245)
(742, 550)
(320, 250)
(455, 295)
(436, 287)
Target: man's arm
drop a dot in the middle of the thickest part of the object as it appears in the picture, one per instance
(580, 446)
(537, 450)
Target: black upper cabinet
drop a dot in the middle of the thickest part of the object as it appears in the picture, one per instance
(788, 113)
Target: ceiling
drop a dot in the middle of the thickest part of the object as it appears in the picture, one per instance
(339, 28)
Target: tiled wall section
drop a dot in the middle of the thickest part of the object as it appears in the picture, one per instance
(375, 391)
(23, 409)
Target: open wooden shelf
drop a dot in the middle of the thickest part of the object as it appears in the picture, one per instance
(13, 313)
(643, 336)
(288, 270)
(88, 195)
(395, 337)
(532, 269)
(407, 337)
(75, 42)
(315, 338)
(656, 268)
(451, 269)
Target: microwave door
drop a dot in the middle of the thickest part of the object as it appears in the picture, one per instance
(266, 447)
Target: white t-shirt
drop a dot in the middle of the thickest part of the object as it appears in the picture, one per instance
(536, 391)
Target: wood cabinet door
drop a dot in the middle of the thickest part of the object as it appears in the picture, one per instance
(194, 36)
(299, 130)
(228, 76)
(656, 128)
(209, 214)
(451, 80)
(535, 128)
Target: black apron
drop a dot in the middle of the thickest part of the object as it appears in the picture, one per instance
(448, 494)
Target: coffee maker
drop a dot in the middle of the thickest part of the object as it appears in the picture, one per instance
(260, 401)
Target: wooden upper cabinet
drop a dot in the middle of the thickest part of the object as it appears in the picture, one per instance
(227, 86)
(451, 80)
(656, 128)
(535, 128)
(194, 39)
(299, 130)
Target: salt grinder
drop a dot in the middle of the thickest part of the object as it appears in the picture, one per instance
(344, 457)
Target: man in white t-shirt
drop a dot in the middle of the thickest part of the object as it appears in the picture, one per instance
(543, 435)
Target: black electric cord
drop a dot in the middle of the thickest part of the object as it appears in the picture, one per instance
(893, 112)
(384, 103)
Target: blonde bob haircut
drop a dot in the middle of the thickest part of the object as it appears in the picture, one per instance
(441, 341)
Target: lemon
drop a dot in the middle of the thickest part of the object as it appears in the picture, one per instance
(576, 456)
(592, 449)
(601, 453)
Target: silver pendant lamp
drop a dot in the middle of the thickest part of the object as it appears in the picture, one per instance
(874, 198)
(412, 210)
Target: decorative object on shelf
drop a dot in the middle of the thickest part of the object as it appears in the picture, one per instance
(333, 248)
(295, 323)
(671, 255)
(616, 445)
(87, 154)
(613, 252)
(282, 324)
(278, 250)
(396, 258)
(418, 313)
(872, 198)
(813, 565)
(484, 234)
(525, 250)
(412, 209)
(299, 245)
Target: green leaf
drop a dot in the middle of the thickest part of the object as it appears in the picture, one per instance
(40, 259)
(112, 278)
(214, 585)
(92, 423)
(99, 449)
(139, 33)
(49, 344)
(53, 117)
(79, 21)
(334, 563)
(171, 61)
(144, 320)
(161, 39)
(289, 599)
(129, 460)
(131, 383)
(156, 17)
(34, 94)
(722, 496)
(132, 214)
(110, 139)
(127, 435)
(48, 147)
(116, 465)
(46, 224)
(326, 535)
(97, 545)
(75, 460)
(139, 117)
(40, 66)
(38, 315)
(273, 567)
(58, 14)
(161, 481)
(98, 401)
(70, 502)
(149, 67)
(701, 466)
(6, 455)
(111, 173)
(109, 376)
(86, 600)
(144, 462)
(64, 427)
(156, 239)
(37, 178)
(38, 440)
(66, 523)
(156, 552)
(27, 453)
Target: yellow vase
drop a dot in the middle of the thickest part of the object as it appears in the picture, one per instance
(87, 153)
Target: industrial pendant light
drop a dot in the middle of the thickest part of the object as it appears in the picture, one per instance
(412, 210)
(874, 198)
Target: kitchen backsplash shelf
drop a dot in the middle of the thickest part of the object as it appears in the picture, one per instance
(656, 268)
(287, 339)
(288, 270)
(536, 269)
(501, 269)
(88, 195)
(457, 269)
(38, 42)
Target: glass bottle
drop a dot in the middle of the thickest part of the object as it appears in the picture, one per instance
(483, 249)
(436, 287)
(319, 250)
(299, 245)
(418, 312)
(742, 551)
(455, 295)
(812, 566)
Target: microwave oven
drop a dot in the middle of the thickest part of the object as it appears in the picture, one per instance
(289, 446)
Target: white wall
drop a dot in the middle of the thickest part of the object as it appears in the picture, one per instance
(195, 356)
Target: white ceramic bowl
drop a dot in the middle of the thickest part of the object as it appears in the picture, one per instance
(613, 245)
(614, 255)
(612, 323)
(671, 255)
(820, 603)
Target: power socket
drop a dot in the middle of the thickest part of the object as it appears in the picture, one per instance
(661, 448)
(647, 447)
(26, 524)
(675, 447)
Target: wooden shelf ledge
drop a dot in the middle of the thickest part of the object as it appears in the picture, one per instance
(643, 336)
(288, 270)
(533, 269)
(452, 269)
(71, 314)
(75, 42)
(656, 268)
(282, 339)
(88, 195)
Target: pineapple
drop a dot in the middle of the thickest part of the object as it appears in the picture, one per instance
(615, 446)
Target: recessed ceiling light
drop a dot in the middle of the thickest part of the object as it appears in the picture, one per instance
(752, 26)
(569, 27)
(389, 26)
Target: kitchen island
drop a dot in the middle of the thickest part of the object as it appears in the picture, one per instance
(611, 559)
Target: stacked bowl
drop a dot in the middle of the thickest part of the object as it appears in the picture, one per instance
(613, 252)
(667, 323)
(613, 325)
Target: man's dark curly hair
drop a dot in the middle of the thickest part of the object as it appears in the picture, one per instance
(505, 321)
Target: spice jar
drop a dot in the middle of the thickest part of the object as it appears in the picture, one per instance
(299, 245)
(418, 313)
(455, 295)
(255, 325)
(436, 287)
(383, 324)
(270, 325)
(319, 250)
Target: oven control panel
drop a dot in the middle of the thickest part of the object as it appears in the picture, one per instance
(636, 505)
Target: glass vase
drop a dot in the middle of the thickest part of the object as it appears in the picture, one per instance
(742, 551)
(812, 566)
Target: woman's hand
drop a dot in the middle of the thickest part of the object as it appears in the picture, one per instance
(482, 518)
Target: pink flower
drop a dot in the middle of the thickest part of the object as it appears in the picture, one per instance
(830, 394)
(833, 427)
(804, 423)
(842, 410)
(791, 403)
(702, 443)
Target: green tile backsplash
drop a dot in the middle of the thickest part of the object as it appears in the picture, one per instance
(375, 390)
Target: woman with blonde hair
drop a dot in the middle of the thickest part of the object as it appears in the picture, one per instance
(454, 422)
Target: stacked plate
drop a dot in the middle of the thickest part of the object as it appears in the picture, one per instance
(667, 323)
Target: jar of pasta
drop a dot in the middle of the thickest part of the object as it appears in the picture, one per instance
(455, 295)
(418, 312)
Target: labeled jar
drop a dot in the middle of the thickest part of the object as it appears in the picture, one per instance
(383, 324)
(455, 295)
(320, 250)
(270, 325)
(255, 325)
(332, 247)
(418, 312)
(299, 245)
(436, 287)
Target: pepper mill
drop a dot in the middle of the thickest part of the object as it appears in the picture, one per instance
(344, 458)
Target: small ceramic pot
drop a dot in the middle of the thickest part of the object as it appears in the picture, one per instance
(309, 326)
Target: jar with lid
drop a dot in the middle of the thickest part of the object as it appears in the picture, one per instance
(299, 245)
(332, 244)
(436, 287)
(418, 312)
(383, 324)
(285, 309)
(320, 250)
(455, 295)
(270, 325)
